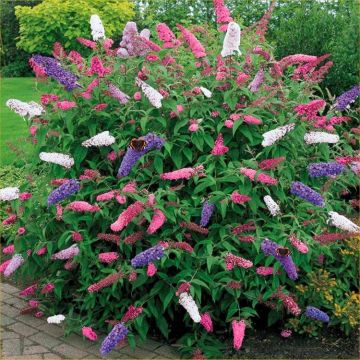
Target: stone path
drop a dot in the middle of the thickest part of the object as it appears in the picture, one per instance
(27, 337)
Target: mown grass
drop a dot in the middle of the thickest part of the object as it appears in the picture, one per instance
(13, 128)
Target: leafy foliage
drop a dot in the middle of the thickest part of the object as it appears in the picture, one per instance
(204, 267)
(66, 20)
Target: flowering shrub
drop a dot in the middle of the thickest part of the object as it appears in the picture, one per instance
(186, 190)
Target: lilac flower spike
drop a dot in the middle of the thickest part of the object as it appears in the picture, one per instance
(206, 213)
(348, 97)
(62, 192)
(325, 169)
(118, 333)
(306, 193)
(132, 156)
(148, 256)
(53, 69)
(270, 248)
(254, 86)
(314, 313)
(118, 94)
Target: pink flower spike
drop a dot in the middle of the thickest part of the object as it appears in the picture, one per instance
(39, 314)
(4, 265)
(127, 216)
(137, 96)
(184, 173)
(108, 257)
(9, 220)
(157, 221)
(42, 251)
(21, 231)
(270, 164)
(76, 236)
(231, 261)
(238, 328)
(87, 43)
(24, 196)
(242, 78)
(263, 178)
(264, 270)
(121, 199)
(286, 333)
(219, 147)
(82, 206)
(59, 212)
(184, 287)
(194, 44)
(48, 288)
(299, 245)
(130, 187)
(89, 333)
(100, 107)
(131, 313)
(66, 105)
(237, 198)
(229, 124)
(151, 270)
(193, 127)
(106, 196)
(9, 249)
(29, 290)
(206, 322)
(252, 120)
(33, 303)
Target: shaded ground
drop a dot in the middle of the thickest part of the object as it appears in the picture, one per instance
(268, 345)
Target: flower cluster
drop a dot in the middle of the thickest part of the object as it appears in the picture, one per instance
(57, 158)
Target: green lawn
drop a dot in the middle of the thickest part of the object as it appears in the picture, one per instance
(12, 127)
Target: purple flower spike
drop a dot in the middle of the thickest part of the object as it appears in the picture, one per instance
(306, 193)
(348, 97)
(148, 256)
(118, 333)
(314, 313)
(53, 69)
(206, 213)
(62, 192)
(325, 169)
(269, 248)
(132, 156)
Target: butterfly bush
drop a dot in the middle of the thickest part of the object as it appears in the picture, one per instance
(218, 135)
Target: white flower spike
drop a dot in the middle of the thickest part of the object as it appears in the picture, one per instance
(231, 42)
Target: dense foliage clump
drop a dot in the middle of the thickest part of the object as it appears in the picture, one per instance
(194, 184)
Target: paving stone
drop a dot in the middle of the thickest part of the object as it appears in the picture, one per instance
(78, 341)
(69, 351)
(4, 295)
(51, 329)
(35, 357)
(51, 356)
(16, 302)
(23, 329)
(28, 342)
(5, 320)
(9, 310)
(9, 335)
(31, 320)
(167, 351)
(35, 349)
(11, 347)
(44, 339)
(150, 344)
(137, 353)
(9, 288)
